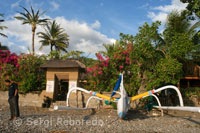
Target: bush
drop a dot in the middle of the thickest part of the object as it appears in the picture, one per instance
(187, 92)
(103, 75)
(32, 76)
(24, 69)
(8, 65)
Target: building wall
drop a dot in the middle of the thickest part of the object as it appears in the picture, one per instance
(72, 72)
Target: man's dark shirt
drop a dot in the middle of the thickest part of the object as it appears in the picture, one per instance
(11, 90)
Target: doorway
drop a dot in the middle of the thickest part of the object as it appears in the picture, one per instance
(62, 90)
(61, 87)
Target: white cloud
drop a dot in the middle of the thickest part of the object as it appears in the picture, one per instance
(96, 25)
(163, 11)
(16, 4)
(144, 6)
(175, 5)
(55, 5)
(161, 16)
(82, 36)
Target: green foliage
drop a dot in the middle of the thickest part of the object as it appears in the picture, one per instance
(32, 18)
(180, 38)
(73, 54)
(7, 69)
(167, 71)
(54, 36)
(29, 83)
(87, 61)
(2, 27)
(145, 43)
(187, 92)
(181, 45)
(24, 70)
(54, 55)
(117, 58)
(177, 22)
(148, 60)
(31, 77)
(193, 7)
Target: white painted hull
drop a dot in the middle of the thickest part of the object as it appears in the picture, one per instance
(184, 108)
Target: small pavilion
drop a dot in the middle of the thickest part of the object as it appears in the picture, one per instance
(61, 75)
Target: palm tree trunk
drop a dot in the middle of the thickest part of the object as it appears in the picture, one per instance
(33, 39)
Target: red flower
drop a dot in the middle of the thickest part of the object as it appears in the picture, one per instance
(120, 67)
(99, 56)
(89, 69)
(94, 74)
(100, 72)
(17, 65)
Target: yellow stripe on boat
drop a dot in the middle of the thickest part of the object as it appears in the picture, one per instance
(105, 97)
(139, 96)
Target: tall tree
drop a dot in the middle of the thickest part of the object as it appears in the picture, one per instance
(193, 7)
(32, 18)
(180, 41)
(54, 36)
(179, 36)
(2, 27)
(3, 35)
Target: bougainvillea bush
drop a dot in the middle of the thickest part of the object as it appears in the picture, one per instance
(117, 59)
(23, 69)
(7, 58)
(8, 64)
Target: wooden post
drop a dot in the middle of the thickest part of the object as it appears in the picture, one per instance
(77, 99)
(188, 83)
(179, 85)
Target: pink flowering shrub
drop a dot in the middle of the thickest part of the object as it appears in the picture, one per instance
(8, 64)
(104, 74)
(24, 69)
(7, 58)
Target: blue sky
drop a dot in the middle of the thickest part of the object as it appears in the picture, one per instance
(89, 23)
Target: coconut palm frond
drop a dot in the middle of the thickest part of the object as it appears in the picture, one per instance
(54, 36)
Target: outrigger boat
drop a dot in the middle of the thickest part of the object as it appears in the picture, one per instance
(123, 102)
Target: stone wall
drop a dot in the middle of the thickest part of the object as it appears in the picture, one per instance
(30, 99)
(82, 99)
(77, 99)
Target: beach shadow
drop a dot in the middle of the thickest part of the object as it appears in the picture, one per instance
(191, 120)
(182, 117)
(136, 114)
(87, 117)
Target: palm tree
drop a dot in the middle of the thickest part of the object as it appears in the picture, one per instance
(177, 23)
(54, 36)
(32, 19)
(2, 27)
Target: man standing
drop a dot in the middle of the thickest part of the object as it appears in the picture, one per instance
(13, 99)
